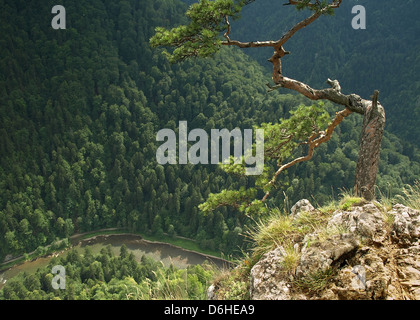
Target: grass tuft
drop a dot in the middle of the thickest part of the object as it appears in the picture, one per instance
(291, 259)
(271, 232)
(348, 201)
(316, 282)
(411, 197)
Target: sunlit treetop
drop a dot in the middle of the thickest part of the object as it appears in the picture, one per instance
(201, 37)
(209, 27)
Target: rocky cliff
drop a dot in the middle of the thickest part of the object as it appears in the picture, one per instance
(368, 253)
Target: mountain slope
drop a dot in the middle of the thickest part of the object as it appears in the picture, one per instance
(80, 109)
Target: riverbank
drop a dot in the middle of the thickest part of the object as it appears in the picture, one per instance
(168, 254)
(164, 252)
(40, 252)
(182, 243)
(178, 241)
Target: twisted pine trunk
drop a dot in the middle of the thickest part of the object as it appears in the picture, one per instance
(372, 131)
(370, 146)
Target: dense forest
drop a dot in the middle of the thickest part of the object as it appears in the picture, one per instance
(80, 109)
(107, 277)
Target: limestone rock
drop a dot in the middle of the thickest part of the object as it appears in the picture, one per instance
(386, 266)
(267, 281)
(408, 269)
(211, 293)
(301, 206)
(321, 256)
(406, 226)
(366, 221)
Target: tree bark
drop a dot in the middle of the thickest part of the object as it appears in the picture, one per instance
(370, 146)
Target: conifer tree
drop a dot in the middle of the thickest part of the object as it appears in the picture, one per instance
(209, 29)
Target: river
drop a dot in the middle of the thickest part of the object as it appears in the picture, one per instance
(167, 253)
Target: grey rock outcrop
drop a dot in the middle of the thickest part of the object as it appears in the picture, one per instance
(324, 255)
(406, 227)
(301, 206)
(266, 278)
(366, 221)
(376, 255)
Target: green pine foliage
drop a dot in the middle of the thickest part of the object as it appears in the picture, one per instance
(199, 38)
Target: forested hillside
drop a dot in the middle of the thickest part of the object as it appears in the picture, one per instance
(79, 113)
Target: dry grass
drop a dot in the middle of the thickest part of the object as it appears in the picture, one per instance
(411, 197)
(274, 231)
(291, 259)
(279, 229)
(315, 282)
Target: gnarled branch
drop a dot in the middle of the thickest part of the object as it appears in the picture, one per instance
(353, 102)
(313, 142)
